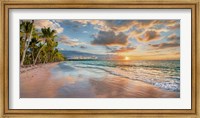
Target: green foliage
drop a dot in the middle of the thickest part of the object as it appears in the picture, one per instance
(26, 27)
(42, 47)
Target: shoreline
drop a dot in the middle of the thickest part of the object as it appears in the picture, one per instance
(26, 68)
(40, 82)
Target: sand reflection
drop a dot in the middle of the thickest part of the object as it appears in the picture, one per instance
(51, 81)
(124, 88)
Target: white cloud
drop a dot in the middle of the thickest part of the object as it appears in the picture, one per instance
(47, 23)
(85, 31)
(69, 41)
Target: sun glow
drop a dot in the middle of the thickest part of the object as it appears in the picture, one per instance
(126, 58)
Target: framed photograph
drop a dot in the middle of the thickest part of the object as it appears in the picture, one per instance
(100, 59)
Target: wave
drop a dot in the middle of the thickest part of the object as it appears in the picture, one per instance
(156, 78)
(139, 65)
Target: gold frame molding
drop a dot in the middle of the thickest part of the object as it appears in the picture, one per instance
(148, 4)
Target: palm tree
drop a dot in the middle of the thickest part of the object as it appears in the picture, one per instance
(26, 29)
(33, 48)
(47, 35)
(58, 56)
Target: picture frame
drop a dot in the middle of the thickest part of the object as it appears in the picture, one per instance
(99, 4)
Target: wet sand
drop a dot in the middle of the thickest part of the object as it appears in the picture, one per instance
(56, 81)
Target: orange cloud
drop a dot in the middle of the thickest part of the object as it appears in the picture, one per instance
(171, 22)
(176, 26)
(147, 24)
(123, 49)
(173, 38)
(120, 28)
(149, 36)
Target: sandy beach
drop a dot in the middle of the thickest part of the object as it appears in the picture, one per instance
(55, 80)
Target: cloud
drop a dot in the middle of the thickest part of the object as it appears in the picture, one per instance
(136, 33)
(174, 27)
(120, 25)
(123, 49)
(177, 53)
(173, 41)
(47, 23)
(109, 38)
(144, 24)
(173, 38)
(142, 30)
(108, 25)
(172, 22)
(85, 31)
(159, 30)
(125, 25)
(149, 30)
(164, 45)
(68, 41)
(149, 36)
(83, 47)
(98, 24)
(120, 49)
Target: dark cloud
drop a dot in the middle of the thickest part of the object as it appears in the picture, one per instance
(83, 47)
(109, 48)
(141, 24)
(174, 38)
(173, 41)
(149, 36)
(110, 38)
(164, 45)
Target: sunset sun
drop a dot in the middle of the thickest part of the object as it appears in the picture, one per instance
(126, 58)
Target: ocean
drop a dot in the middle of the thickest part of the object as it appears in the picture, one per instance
(162, 74)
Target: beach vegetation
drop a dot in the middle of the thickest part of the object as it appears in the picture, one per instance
(38, 45)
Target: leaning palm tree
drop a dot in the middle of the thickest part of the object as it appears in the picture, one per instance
(26, 29)
(47, 35)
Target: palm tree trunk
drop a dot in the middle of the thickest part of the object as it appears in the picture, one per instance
(38, 54)
(28, 40)
(24, 54)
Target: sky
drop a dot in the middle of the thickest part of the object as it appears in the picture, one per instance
(130, 39)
